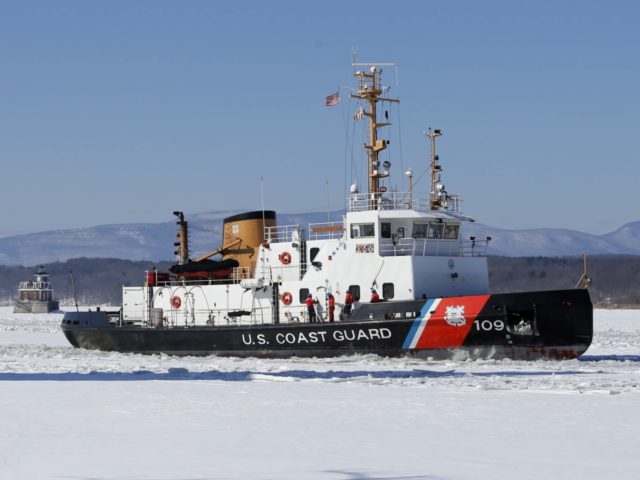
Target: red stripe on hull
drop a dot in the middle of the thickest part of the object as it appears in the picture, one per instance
(451, 322)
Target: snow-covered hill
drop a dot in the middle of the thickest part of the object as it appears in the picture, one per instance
(551, 242)
(154, 241)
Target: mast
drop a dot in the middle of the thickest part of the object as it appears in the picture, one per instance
(73, 288)
(370, 90)
(182, 253)
(585, 279)
(435, 196)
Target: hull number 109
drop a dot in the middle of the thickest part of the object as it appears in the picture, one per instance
(489, 325)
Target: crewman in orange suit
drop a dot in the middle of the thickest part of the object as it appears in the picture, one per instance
(311, 310)
(331, 300)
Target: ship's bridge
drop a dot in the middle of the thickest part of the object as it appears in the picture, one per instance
(404, 225)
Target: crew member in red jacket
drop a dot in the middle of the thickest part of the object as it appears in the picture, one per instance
(374, 296)
(331, 300)
(348, 301)
(311, 310)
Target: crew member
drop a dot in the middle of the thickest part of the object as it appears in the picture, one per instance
(331, 301)
(348, 301)
(311, 311)
(374, 296)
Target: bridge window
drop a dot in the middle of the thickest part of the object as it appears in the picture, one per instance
(362, 230)
(419, 230)
(451, 231)
(385, 230)
(313, 253)
(435, 230)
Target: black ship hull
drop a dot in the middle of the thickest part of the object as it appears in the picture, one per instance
(531, 325)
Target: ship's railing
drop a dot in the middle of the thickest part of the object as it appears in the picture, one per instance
(293, 233)
(172, 282)
(428, 247)
(421, 247)
(326, 231)
(474, 247)
(241, 273)
(360, 202)
(198, 317)
(195, 316)
(215, 317)
(283, 233)
(237, 275)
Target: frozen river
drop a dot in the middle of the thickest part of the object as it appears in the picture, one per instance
(70, 413)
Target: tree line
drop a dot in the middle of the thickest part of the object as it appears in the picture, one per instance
(615, 279)
(99, 281)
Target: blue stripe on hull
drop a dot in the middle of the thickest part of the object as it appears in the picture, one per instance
(417, 322)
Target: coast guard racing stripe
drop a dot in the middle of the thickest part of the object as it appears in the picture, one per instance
(420, 323)
(444, 322)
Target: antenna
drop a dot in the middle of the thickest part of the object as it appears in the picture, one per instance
(437, 188)
(409, 175)
(73, 289)
(585, 279)
(328, 199)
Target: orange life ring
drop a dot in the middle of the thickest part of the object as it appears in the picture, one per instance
(176, 302)
(285, 258)
(286, 298)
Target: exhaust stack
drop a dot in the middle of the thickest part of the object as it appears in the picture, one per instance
(245, 232)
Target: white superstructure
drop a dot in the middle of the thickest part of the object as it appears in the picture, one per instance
(403, 253)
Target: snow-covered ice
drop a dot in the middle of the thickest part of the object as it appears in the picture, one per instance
(73, 414)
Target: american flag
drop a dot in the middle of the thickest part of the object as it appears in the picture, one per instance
(359, 114)
(332, 100)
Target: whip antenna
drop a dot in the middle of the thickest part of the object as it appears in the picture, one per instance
(73, 289)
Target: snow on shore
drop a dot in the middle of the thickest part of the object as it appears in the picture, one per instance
(70, 413)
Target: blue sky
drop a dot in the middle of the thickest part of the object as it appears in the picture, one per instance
(119, 111)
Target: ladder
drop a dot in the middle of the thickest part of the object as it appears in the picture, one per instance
(275, 303)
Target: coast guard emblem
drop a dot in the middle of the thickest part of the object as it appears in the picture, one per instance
(455, 316)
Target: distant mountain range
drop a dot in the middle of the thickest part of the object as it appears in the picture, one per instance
(154, 241)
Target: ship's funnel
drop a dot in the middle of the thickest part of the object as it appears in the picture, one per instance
(248, 229)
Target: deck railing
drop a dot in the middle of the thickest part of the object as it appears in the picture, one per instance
(237, 275)
(360, 202)
(194, 315)
(428, 247)
(326, 231)
(475, 248)
(283, 233)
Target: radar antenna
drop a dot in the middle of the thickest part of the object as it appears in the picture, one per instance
(371, 90)
(437, 194)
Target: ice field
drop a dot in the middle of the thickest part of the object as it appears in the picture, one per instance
(73, 414)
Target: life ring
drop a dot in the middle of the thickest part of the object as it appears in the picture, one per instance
(286, 298)
(383, 189)
(285, 258)
(176, 302)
